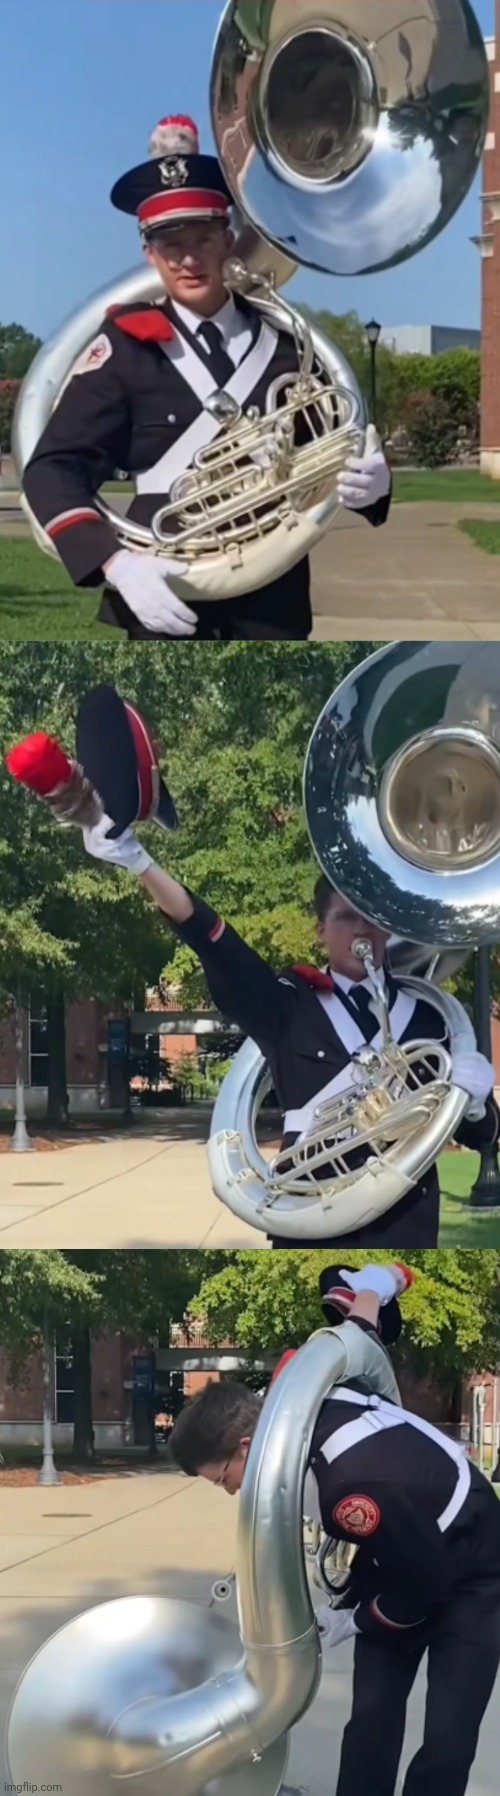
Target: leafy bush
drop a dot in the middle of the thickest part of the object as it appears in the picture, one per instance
(432, 429)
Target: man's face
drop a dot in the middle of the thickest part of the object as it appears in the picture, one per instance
(190, 259)
(228, 1474)
(342, 925)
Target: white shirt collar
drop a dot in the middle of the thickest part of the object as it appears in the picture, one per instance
(348, 985)
(229, 319)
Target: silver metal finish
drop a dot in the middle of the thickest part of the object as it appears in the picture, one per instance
(317, 1187)
(429, 871)
(151, 1688)
(363, 949)
(402, 799)
(252, 504)
(350, 131)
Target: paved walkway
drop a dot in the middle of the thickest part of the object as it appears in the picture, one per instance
(146, 1190)
(64, 1550)
(417, 577)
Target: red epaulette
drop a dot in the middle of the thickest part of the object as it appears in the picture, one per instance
(313, 976)
(149, 325)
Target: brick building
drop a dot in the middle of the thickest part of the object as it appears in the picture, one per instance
(90, 1039)
(489, 246)
(133, 1377)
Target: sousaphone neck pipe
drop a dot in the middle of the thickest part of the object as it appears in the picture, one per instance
(195, 1736)
(361, 947)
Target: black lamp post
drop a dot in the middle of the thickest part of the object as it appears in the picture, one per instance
(485, 1194)
(372, 333)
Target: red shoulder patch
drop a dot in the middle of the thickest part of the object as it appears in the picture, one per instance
(150, 326)
(359, 1515)
(313, 976)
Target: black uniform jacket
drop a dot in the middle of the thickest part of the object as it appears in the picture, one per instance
(125, 414)
(424, 1520)
(282, 1013)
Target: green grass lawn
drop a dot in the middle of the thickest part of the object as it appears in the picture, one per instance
(461, 1226)
(38, 602)
(484, 532)
(453, 486)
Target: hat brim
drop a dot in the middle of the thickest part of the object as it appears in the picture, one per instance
(197, 174)
(120, 765)
(331, 1287)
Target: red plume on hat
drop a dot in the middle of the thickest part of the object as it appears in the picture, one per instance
(175, 136)
(41, 764)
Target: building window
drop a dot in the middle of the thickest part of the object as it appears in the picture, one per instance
(64, 1379)
(39, 1057)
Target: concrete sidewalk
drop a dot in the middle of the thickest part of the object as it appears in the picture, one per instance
(151, 1190)
(68, 1548)
(419, 576)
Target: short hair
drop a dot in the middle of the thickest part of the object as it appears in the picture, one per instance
(323, 894)
(211, 1425)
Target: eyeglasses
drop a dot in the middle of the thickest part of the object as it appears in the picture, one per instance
(175, 249)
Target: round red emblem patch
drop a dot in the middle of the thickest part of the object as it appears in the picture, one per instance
(360, 1515)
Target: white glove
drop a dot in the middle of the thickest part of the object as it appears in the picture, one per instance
(385, 1281)
(335, 1625)
(475, 1075)
(365, 479)
(143, 583)
(126, 851)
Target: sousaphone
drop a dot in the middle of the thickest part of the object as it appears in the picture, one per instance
(402, 801)
(349, 134)
(170, 1693)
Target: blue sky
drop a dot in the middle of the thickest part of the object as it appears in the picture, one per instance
(82, 82)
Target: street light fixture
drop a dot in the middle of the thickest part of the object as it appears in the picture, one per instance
(372, 333)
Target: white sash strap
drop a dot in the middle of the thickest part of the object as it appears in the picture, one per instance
(380, 1415)
(205, 428)
(300, 1121)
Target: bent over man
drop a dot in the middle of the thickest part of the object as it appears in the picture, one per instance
(425, 1578)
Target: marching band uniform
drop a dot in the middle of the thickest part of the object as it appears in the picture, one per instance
(136, 400)
(307, 1023)
(426, 1575)
(425, 1524)
(308, 1026)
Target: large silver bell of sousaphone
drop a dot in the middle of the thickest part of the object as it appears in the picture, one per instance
(350, 130)
(402, 801)
(168, 1693)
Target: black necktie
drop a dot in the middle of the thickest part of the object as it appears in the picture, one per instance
(360, 999)
(210, 337)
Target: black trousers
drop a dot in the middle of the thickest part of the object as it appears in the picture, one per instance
(279, 612)
(464, 1655)
(414, 1222)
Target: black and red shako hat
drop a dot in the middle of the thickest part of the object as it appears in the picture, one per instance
(116, 751)
(177, 185)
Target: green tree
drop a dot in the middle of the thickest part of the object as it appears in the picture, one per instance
(140, 1292)
(431, 425)
(18, 347)
(9, 394)
(451, 1312)
(234, 728)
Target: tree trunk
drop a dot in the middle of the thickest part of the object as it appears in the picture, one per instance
(83, 1433)
(57, 1096)
(456, 1398)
